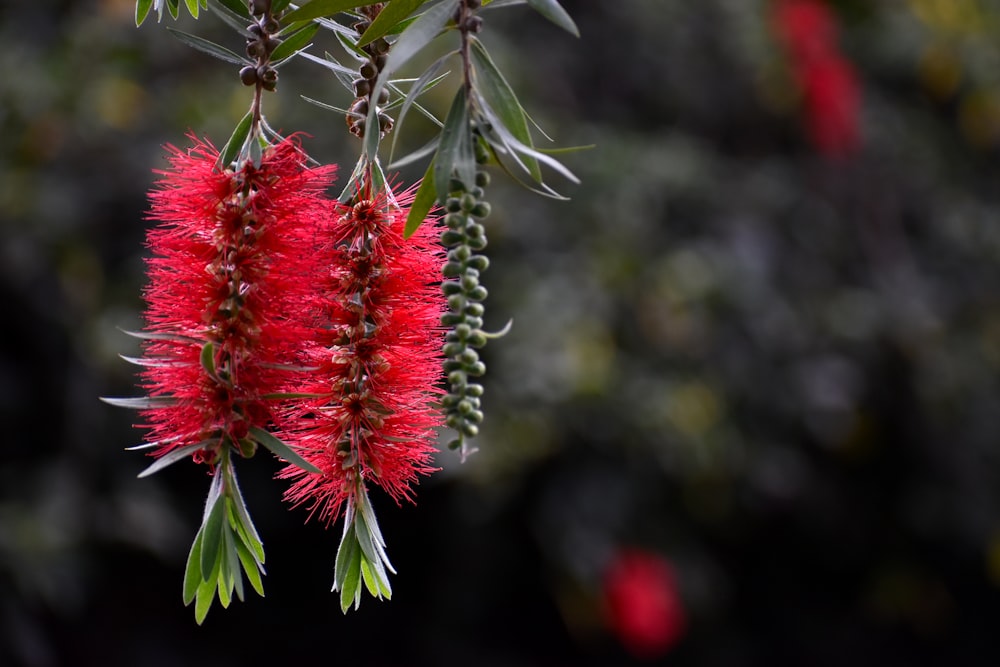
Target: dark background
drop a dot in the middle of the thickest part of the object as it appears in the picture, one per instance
(774, 369)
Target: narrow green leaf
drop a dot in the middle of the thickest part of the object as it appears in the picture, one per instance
(392, 14)
(364, 538)
(455, 154)
(203, 600)
(278, 6)
(171, 457)
(173, 6)
(418, 35)
(211, 48)
(370, 582)
(236, 141)
(142, 8)
(415, 91)
(251, 567)
(318, 8)
(192, 573)
(495, 89)
(193, 7)
(242, 518)
(237, 7)
(235, 20)
(349, 582)
(422, 204)
(141, 402)
(553, 11)
(280, 449)
(294, 42)
(207, 358)
(211, 541)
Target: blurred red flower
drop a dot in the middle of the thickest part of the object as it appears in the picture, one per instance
(642, 604)
(828, 83)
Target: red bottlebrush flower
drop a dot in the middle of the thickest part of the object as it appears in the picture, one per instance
(377, 309)
(217, 319)
(830, 91)
(642, 604)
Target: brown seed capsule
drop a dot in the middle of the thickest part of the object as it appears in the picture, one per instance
(380, 62)
(248, 75)
(380, 46)
(383, 96)
(271, 26)
(369, 71)
(271, 44)
(472, 24)
(255, 48)
(361, 26)
(362, 87)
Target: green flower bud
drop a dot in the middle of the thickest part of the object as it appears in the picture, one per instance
(451, 319)
(464, 407)
(453, 205)
(477, 369)
(469, 282)
(468, 356)
(456, 301)
(460, 254)
(469, 430)
(451, 270)
(482, 178)
(474, 390)
(455, 221)
(481, 210)
(463, 331)
(468, 202)
(453, 349)
(475, 416)
(451, 238)
(476, 231)
(450, 287)
(453, 421)
(474, 309)
(480, 262)
(477, 294)
(477, 339)
(452, 365)
(457, 378)
(477, 243)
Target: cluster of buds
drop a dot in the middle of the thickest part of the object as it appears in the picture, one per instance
(377, 50)
(464, 237)
(260, 45)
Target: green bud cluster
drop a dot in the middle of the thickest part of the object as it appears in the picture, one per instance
(464, 237)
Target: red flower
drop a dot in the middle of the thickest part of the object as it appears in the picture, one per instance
(217, 278)
(376, 308)
(643, 607)
(827, 80)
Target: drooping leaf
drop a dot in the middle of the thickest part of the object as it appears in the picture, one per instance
(192, 573)
(318, 8)
(495, 89)
(350, 584)
(497, 129)
(211, 540)
(192, 6)
(455, 153)
(250, 567)
(553, 11)
(419, 34)
(416, 90)
(280, 449)
(211, 48)
(206, 594)
(243, 522)
(391, 14)
(236, 141)
(422, 204)
(171, 457)
(294, 42)
(173, 6)
(142, 8)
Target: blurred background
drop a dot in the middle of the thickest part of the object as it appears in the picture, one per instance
(748, 413)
